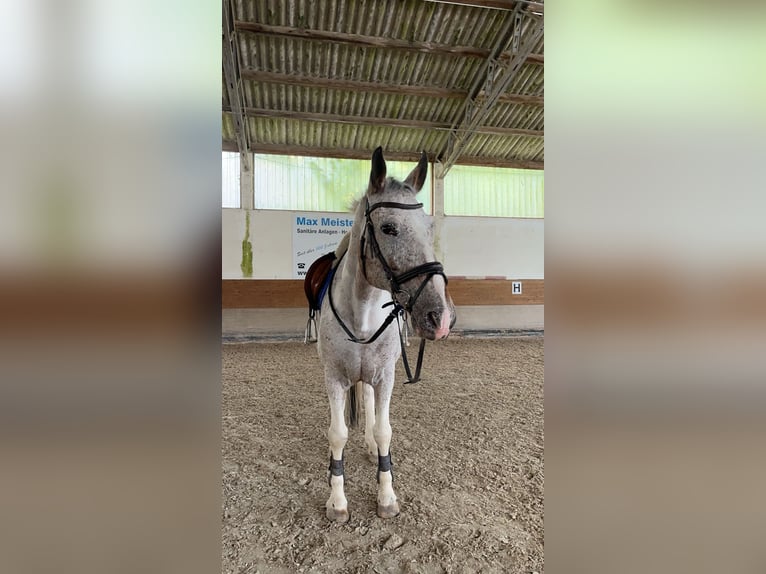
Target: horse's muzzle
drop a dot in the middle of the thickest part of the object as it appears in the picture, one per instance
(442, 330)
(435, 325)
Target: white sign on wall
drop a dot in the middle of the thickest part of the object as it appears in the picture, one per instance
(516, 287)
(315, 234)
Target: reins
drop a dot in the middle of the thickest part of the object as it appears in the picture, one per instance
(402, 300)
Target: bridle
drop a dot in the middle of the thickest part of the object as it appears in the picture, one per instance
(402, 300)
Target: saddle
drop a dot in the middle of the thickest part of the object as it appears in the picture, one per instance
(317, 281)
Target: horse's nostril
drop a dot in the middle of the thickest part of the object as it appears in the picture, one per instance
(434, 319)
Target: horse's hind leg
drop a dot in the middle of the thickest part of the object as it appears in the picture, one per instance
(388, 507)
(369, 422)
(337, 505)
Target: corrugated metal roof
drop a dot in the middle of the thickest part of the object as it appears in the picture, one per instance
(326, 77)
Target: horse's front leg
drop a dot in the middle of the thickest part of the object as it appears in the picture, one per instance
(369, 422)
(337, 505)
(388, 507)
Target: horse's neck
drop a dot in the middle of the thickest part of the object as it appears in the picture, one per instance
(360, 301)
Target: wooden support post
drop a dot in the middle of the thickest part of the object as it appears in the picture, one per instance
(246, 182)
(438, 203)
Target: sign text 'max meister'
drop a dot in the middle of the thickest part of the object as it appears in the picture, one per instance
(315, 234)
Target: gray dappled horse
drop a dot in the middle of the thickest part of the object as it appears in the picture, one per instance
(387, 270)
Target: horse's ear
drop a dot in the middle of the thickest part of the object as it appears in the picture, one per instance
(378, 171)
(417, 177)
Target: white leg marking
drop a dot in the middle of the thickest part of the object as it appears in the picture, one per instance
(369, 423)
(337, 505)
(387, 504)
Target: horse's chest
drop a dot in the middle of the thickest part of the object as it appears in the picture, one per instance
(369, 363)
(374, 362)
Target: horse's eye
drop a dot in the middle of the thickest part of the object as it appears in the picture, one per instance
(389, 229)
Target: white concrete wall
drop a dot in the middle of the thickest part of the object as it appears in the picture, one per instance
(271, 235)
(471, 246)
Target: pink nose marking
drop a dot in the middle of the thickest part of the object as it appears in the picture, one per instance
(443, 329)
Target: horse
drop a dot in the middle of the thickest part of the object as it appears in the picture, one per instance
(389, 262)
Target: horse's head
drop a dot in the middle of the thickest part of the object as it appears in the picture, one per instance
(397, 250)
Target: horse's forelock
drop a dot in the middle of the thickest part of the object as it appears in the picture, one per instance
(396, 185)
(392, 186)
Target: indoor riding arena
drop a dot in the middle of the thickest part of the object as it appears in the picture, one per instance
(452, 93)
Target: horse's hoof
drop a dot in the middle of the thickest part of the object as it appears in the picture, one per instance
(335, 515)
(388, 511)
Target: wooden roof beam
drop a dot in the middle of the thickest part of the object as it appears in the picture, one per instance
(495, 80)
(278, 149)
(370, 41)
(377, 121)
(534, 7)
(396, 89)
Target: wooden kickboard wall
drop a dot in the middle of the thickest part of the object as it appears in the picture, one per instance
(288, 293)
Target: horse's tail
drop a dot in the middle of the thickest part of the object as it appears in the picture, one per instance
(354, 404)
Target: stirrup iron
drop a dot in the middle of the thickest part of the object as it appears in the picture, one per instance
(307, 337)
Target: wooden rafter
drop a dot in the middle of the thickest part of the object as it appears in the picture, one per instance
(229, 145)
(535, 7)
(377, 121)
(396, 89)
(370, 41)
(495, 80)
